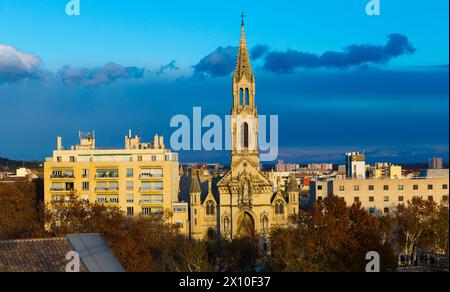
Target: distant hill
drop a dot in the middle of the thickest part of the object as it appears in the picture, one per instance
(8, 164)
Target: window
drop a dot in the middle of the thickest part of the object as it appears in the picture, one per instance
(129, 172)
(72, 158)
(247, 102)
(151, 186)
(386, 187)
(106, 173)
(415, 187)
(371, 210)
(114, 199)
(356, 188)
(371, 199)
(445, 187)
(386, 210)
(210, 209)
(85, 186)
(139, 158)
(319, 187)
(152, 199)
(130, 198)
(356, 199)
(279, 208)
(386, 198)
(85, 173)
(153, 158)
(401, 198)
(130, 186)
(130, 211)
(146, 211)
(245, 135)
(430, 187)
(371, 187)
(319, 198)
(101, 199)
(430, 198)
(341, 188)
(445, 198)
(401, 187)
(241, 96)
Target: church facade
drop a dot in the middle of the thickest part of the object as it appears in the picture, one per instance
(243, 202)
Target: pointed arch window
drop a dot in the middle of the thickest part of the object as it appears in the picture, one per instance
(279, 208)
(245, 135)
(241, 96)
(210, 208)
(247, 97)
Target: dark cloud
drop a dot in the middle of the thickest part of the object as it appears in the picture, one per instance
(170, 66)
(353, 55)
(288, 61)
(99, 75)
(221, 62)
(258, 51)
(16, 65)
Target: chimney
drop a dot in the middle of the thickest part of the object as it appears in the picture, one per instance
(156, 142)
(59, 143)
(161, 142)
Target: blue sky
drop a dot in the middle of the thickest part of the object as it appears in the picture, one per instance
(338, 79)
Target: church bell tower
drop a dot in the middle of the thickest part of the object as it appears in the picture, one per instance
(244, 116)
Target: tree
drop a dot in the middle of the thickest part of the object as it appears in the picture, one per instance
(413, 220)
(330, 238)
(18, 217)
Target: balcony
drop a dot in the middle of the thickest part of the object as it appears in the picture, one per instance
(106, 189)
(149, 190)
(62, 175)
(150, 176)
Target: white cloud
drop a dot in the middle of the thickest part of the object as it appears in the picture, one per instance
(16, 65)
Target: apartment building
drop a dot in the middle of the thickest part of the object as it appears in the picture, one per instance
(381, 195)
(140, 179)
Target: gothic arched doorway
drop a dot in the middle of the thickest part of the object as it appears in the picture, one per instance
(246, 225)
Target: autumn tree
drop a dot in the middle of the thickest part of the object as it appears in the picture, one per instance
(330, 238)
(18, 215)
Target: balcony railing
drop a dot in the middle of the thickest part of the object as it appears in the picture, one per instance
(150, 175)
(106, 175)
(152, 189)
(61, 189)
(107, 188)
(62, 176)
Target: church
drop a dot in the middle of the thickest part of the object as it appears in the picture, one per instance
(243, 202)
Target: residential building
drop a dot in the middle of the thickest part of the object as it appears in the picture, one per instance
(355, 165)
(381, 195)
(140, 179)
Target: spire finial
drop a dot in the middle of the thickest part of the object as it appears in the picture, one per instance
(242, 16)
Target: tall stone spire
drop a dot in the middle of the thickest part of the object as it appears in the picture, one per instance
(243, 60)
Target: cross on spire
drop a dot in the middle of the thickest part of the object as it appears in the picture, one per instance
(242, 16)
